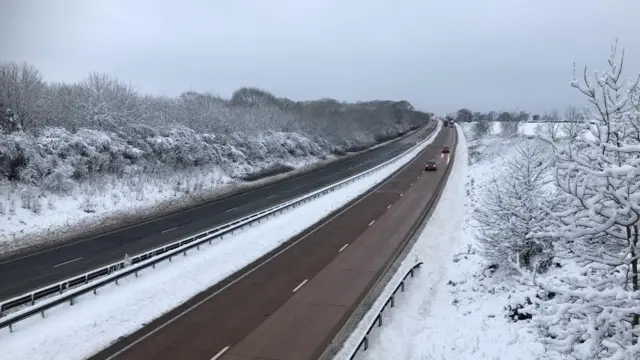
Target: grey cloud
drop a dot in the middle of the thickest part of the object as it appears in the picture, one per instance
(440, 56)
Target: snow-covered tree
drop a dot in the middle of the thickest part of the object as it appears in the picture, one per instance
(21, 89)
(551, 127)
(594, 310)
(509, 128)
(571, 127)
(509, 209)
(481, 128)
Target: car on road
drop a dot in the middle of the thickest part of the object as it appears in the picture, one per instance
(430, 165)
(446, 150)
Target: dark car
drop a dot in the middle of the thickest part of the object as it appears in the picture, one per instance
(430, 165)
(446, 150)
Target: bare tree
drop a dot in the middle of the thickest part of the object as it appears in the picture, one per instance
(481, 128)
(21, 89)
(551, 127)
(571, 127)
(509, 128)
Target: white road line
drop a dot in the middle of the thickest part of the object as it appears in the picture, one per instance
(388, 206)
(272, 195)
(216, 356)
(142, 338)
(401, 194)
(371, 223)
(301, 285)
(229, 210)
(165, 231)
(67, 262)
(418, 177)
(343, 247)
(411, 184)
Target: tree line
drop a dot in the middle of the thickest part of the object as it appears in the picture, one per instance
(102, 125)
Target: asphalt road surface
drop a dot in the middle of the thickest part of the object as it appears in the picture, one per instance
(19, 275)
(290, 305)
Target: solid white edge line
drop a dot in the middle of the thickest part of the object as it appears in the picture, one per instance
(231, 209)
(216, 356)
(388, 206)
(301, 285)
(67, 262)
(142, 338)
(371, 223)
(343, 247)
(401, 194)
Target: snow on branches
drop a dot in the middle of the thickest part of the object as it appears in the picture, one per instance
(510, 209)
(593, 311)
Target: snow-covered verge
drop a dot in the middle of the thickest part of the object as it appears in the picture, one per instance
(546, 262)
(80, 158)
(95, 322)
(455, 306)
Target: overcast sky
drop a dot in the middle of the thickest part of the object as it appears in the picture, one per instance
(439, 55)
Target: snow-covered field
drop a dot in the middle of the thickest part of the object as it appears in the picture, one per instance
(454, 309)
(95, 322)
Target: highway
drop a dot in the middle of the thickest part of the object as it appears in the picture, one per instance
(291, 303)
(21, 274)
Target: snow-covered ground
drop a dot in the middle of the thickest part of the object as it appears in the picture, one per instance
(454, 309)
(95, 322)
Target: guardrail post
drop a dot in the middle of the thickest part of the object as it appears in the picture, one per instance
(366, 342)
(393, 302)
(33, 301)
(71, 301)
(86, 279)
(184, 253)
(402, 286)
(379, 319)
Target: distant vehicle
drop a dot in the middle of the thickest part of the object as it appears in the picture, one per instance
(446, 150)
(430, 165)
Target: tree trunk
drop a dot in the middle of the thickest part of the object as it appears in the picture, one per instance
(634, 274)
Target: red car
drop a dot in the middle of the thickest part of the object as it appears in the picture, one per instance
(430, 165)
(446, 150)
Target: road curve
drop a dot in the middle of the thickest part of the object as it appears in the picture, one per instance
(22, 274)
(256, 315)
